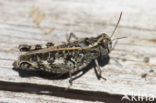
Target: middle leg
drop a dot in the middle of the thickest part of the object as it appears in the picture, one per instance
(71, 35)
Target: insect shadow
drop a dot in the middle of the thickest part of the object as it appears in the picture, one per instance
(46, 75)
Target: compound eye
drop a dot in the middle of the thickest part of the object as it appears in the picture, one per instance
(105, 43)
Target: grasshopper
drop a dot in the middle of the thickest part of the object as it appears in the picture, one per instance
(66, 58)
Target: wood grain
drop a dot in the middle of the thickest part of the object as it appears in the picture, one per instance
(84, 18)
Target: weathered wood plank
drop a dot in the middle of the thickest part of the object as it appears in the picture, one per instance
(85, 18)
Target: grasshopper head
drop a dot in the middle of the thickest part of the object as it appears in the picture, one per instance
(105, 41)
(105, 44)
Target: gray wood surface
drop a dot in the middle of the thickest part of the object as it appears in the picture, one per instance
(84, 18)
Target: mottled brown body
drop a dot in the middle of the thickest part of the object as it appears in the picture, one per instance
(72, 56)
(68, 57)
(62, 61)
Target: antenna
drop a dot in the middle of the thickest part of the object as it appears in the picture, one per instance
(119, 38)
(116, 25)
